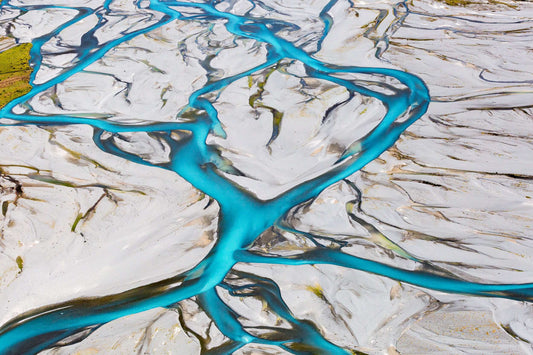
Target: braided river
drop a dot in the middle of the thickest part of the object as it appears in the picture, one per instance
(267, 177)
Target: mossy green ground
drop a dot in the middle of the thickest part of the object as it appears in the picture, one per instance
(14, 73)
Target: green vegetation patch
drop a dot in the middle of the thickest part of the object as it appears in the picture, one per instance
(20, 263)
(457, 2)
(479, 2)
(14, 73)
